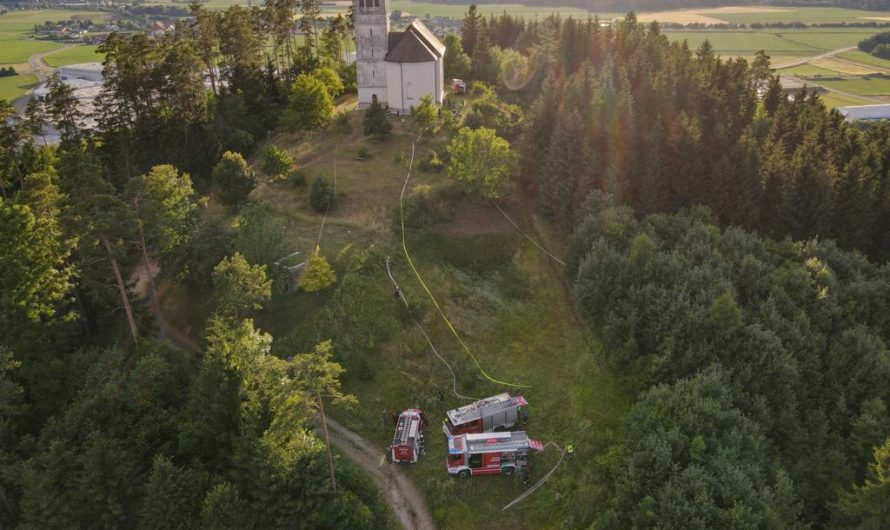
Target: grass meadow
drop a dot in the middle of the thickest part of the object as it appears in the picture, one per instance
(508, 301)
(75, 55)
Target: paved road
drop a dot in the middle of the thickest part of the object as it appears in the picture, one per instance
(42, 70)
(398, 491)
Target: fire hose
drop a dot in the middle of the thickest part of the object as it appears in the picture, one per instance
(427, 337)
(423, 284)
(538, 484)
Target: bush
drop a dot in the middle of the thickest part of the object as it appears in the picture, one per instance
(322, 196)
(375, 123)
(399, 159)
(342, 124)
(426, 206)
(297, 178)
(276, 162)
(363, 153)
(431, 162)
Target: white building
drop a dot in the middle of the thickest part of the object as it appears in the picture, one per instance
(84, 71)
(866, 112)
(395, 68)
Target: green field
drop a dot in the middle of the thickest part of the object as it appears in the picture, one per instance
(16, 46)
(13, 87)
(865, 58)
(75, 55)
(804, 42)
(16, 50)
(833, 99)
(860, 86)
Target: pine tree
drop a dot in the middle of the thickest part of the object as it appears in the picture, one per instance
(317, 274)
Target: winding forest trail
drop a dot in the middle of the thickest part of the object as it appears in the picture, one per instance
(397, 490)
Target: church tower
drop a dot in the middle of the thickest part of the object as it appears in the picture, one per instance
(371, 45)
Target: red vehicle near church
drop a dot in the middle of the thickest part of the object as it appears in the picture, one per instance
(496, 453)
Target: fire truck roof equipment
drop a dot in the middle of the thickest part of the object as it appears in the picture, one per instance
(492, 442)
(480, 408)
(407, 427)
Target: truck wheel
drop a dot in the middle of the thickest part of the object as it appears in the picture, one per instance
(464, 473)
(508, 470)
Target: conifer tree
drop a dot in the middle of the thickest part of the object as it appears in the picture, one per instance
(375, 122)
(317, 274)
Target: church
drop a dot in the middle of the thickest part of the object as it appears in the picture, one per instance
(395, 68)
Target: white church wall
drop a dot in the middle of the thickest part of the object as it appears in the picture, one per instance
(408, 82)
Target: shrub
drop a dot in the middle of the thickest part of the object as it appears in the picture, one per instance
(297, 178)
(363, 152)
(431, 162)
(426, 206)
(342, 124)
(322, 196)
(375, 123)
(276, 162)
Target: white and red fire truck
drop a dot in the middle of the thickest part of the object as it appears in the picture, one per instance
(495, 453)
(496, 413)
(407, 443)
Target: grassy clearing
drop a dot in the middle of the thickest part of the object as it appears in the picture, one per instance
(11, 88)
(75, 55)
(507, 300)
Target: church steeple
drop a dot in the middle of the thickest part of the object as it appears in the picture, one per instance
(371, 45)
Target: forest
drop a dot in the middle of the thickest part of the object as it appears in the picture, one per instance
(728, 247)
(722, 243)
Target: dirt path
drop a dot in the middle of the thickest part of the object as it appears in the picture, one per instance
(399, 492)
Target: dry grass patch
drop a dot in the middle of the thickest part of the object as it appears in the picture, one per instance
(847, 67)
(700, 16)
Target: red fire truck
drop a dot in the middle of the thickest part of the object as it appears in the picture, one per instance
(496, 413)
(496, 453)
(407, 443)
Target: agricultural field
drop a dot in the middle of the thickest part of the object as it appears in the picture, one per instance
(17, 46)
(14, 86)
(75, 55)
(424, 9)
